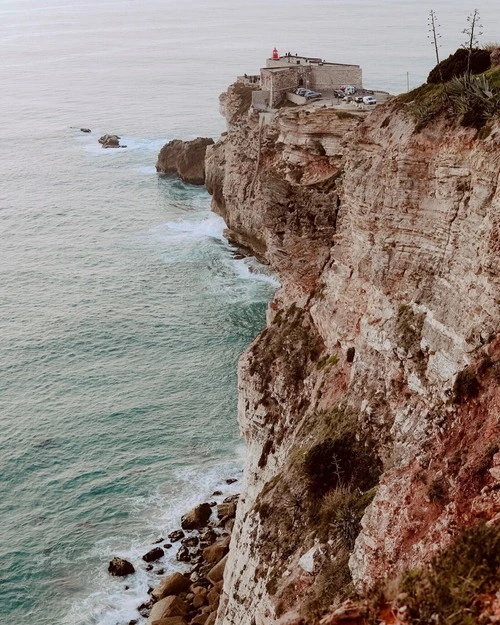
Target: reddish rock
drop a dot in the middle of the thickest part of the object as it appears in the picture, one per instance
(170, 620)
(212, 617)
(197, 517)
(216, 573)
(200, 619)
(215, 552)
(170, 606)
(172, 585)
(226, 510)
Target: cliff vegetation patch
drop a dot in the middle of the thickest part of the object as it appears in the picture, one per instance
(471, 97)
(446, 592)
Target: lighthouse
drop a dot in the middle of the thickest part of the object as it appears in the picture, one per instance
(275, 54)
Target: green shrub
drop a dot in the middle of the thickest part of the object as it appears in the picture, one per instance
(466, 386)
(333, 584)
(444, 593)
(334, 462)
(456, 65)
(474, 99)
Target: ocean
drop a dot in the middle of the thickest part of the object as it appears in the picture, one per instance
(123, 309)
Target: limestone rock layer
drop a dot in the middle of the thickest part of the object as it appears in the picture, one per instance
(369, 404)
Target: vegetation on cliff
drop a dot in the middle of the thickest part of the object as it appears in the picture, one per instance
(472, 96)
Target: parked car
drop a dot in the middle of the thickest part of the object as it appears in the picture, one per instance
(358, 99)
(300, 91)
(310, 95)
(339, 94)
(348, 89)
(370, 100)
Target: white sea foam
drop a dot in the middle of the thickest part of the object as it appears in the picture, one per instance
(210, 225)
(111, 600)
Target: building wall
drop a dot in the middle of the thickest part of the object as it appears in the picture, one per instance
(279, 81)
(325, 77)
(328, 77)
(260, 100)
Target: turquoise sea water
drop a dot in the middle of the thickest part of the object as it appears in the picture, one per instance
(122, 309)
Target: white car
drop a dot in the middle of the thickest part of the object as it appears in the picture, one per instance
(370, 100)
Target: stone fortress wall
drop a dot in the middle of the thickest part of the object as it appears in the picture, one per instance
(287, 72)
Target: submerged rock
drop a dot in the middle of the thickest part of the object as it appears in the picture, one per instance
(118, 567)
(184, 158)
(154, 554)
(176, 535)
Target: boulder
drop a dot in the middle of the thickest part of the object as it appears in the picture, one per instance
(214, 553)
(200, 619)
(183, 554)
(170, 620)
(118, 567)
(197, 517)
(190, 541)
(213, 598)
(85, 130)
(176, 535)
(110, 141)
(226, 510)
(154, 554)
(172, 585)
(216, 573)
(207, 537)
(212, 617)
(184, 158)
(170, 606)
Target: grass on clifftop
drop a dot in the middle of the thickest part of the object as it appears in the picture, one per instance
(473, 99)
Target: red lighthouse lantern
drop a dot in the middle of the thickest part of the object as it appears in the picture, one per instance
(275, 54)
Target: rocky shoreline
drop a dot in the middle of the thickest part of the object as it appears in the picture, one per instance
(202, 541)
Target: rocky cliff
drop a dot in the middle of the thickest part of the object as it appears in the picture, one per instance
(184, 158)
(370, 402)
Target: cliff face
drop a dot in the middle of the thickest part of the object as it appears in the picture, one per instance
(370, 402)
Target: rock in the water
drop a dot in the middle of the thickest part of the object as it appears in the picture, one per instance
(207, 537)
(190, 541)
(197, 517)
(85, 130)
(172, 585)
(216, 493)
(120, 567)
(154, 554)
(231, 480)
(184, 158)
(183, 554)
(110, 141)
(176, 535)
